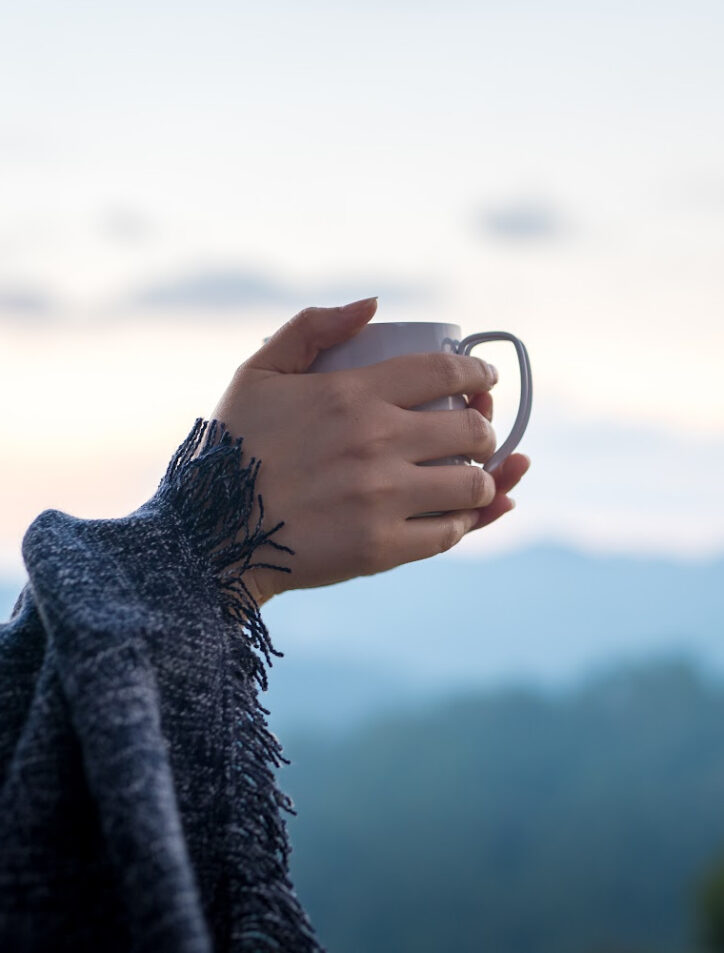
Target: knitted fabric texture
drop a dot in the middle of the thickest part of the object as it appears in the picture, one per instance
(138, 804)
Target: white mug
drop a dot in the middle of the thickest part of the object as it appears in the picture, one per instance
(381, 340)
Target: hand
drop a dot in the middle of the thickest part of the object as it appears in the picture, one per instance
(339, 450)
(507, 475)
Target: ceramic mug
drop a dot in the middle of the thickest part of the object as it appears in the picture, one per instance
(381, 340)
(384, 339)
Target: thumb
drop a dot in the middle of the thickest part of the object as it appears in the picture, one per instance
(296, 344)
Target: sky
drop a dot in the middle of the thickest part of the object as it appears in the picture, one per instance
(176, 181)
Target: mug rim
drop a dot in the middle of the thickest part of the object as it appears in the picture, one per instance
(407, 324)
(398, 324)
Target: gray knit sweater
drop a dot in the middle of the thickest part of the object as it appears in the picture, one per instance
(138, 803)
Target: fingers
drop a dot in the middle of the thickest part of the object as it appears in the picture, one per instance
(446, 488)
(483, 403)
(414, 379)
(432, 434)
(507, 476)
(510, 472)
(297, 343)
(501, 505)
(431, 535)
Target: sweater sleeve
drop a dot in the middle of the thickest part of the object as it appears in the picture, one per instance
(138, 804)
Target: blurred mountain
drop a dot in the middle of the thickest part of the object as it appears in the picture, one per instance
(515, 821)
(545, 615)
(462, 783)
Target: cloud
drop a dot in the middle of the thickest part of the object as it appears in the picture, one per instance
(398, 293)
(216, 292)
(233, 288)
(125, 226)
(214, 289)
(25, 301)
(522, 220)
(628, 485)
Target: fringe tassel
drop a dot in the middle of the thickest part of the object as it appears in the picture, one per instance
(213, 495)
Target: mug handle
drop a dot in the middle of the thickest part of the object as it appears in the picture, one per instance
(526, 390)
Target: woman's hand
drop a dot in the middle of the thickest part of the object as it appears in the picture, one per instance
(507, 475)
(339, 450)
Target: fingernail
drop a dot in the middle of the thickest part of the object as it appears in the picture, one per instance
(358, 305)
(511, 503)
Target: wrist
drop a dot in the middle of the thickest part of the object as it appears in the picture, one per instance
(211, 489)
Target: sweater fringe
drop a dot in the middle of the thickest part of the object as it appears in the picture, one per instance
(213, 495)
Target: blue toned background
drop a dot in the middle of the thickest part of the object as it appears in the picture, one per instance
(517, 746)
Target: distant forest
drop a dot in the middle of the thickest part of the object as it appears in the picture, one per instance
(520, 822)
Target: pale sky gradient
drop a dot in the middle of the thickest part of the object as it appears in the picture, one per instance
(554, 169)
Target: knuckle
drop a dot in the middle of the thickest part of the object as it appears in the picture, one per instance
(355, 489)
(304, 315)
(301, 326)
(477, 485)
(371, 436)
(371, 549)
(374, 496)
(451, 534)
(368, 493)
(371, 442)
(480, 434)
(339, 397)
(449, 371)
(360, 450)
(478, 428)
(481, 486)
(487, 488)
(488, 372)
(242, 370)
(492, 442)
